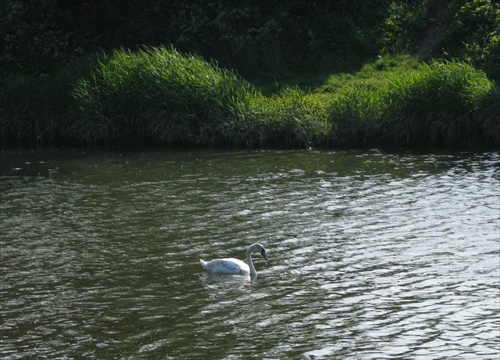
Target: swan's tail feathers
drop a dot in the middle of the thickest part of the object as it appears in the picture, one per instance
(203, 263)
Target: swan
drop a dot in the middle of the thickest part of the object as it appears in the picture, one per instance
(232, 266)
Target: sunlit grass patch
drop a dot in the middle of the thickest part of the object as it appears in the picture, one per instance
(440, 102)
(178, 99)
(161, 96)
(375, 74)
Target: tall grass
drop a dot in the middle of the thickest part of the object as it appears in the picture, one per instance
(291, 117)
(160, 96)
(440, 103)
(355, 115)
(156, 93)
(168, 97)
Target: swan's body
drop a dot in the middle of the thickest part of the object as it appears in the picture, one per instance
(232, 266)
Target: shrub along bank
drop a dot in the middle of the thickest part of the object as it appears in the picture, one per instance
(161, 96)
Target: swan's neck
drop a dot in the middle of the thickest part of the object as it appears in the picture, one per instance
(253, 273)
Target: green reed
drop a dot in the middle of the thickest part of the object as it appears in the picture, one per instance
(440, 102)
(156, 93)
(355, 115)
(165, 96)
(160, 96)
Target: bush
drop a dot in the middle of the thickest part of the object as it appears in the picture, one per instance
(176, 99)
(473, 34)
(32, 39)
(159, 93)
(442, 102)
(160, 96)
(404, 26)
(355, 115)
(255, 38)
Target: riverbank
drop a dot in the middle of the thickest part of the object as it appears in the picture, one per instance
(161, 96)
(283, 74)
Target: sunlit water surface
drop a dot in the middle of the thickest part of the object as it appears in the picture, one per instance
(371, 255)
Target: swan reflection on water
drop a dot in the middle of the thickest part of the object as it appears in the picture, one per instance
(228, 278)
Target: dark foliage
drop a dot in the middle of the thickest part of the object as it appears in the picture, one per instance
(39, 36)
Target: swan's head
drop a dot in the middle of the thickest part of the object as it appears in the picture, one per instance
(262, 251)
(257, 248)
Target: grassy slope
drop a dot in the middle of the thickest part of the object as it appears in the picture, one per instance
(160, 96)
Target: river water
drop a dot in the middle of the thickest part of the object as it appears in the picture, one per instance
(372, 254)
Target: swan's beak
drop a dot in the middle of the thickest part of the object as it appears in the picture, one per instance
(263, 253)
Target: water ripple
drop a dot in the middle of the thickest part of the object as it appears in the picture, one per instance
(372, 255)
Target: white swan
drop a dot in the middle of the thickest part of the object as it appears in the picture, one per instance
(232, 266)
